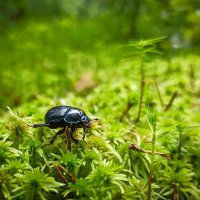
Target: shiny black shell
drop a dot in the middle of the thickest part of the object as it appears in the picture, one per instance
(61, 116)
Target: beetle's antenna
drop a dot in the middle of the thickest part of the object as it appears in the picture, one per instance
(37, 125)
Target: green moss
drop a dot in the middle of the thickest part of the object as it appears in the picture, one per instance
(45, 73)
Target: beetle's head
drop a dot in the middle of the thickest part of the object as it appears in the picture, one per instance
(86, 121)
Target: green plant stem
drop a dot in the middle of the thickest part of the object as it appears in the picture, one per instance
(32, 194)
(159, 95)
(152, 168)
(142, 83)
(152, 124)
(151, 175)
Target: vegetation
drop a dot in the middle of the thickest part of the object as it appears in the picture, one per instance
(144, 92)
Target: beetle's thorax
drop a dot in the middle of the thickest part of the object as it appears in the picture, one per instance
(62, 116)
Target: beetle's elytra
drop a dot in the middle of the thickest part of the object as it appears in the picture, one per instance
(65, 116)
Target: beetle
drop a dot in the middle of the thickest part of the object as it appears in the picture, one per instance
(65, 116)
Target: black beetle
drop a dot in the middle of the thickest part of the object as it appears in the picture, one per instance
(65, 116)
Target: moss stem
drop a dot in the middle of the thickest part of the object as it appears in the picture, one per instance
(142, 84)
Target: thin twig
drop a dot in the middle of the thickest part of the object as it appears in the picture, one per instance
(72, 179)
(149, 186)
(140, 150)
(59, 173)
(175, 194)
(159, 95)
(136, 147)
(174, 95)
(128, 107)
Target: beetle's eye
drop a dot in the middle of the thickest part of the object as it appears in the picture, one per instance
(83, 119)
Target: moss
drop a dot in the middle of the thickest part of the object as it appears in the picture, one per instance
(103, 163)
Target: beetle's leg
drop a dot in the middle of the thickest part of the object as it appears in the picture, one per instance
(55, 136)
(72, 130)
(84, 130)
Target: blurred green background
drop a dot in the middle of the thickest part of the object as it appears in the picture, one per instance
(47, 46)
